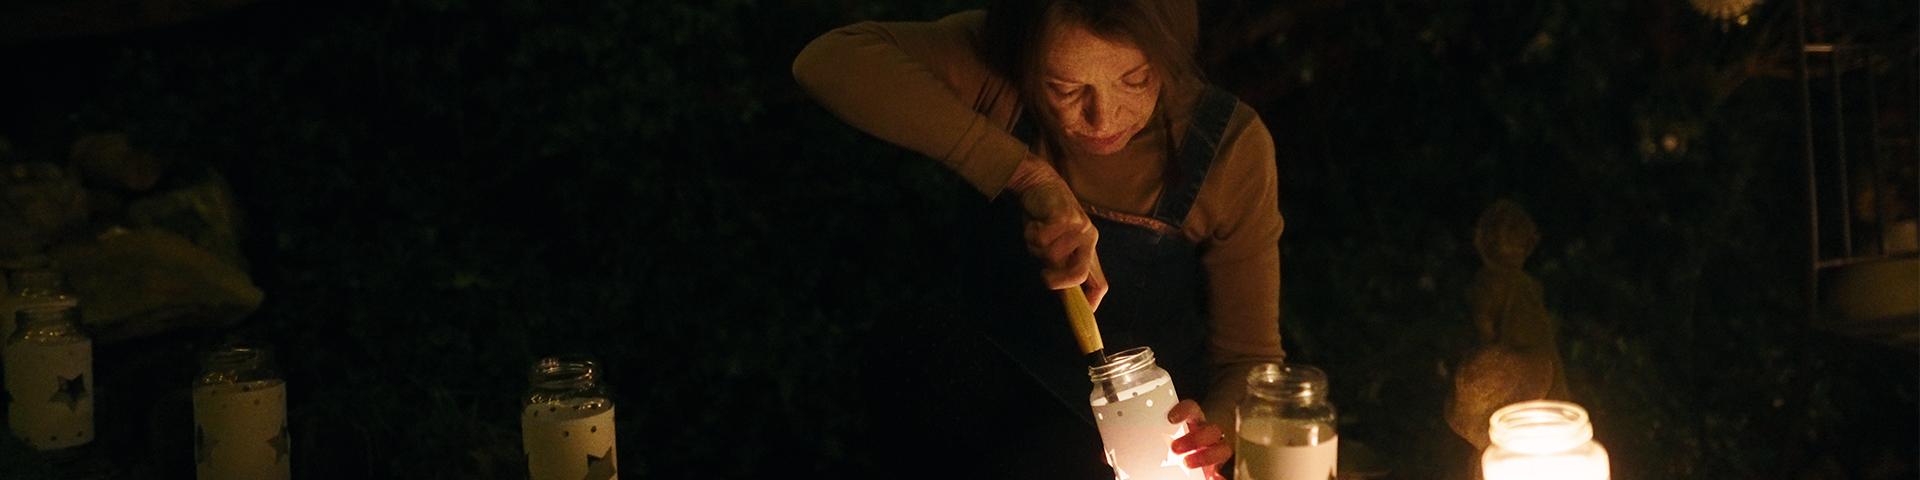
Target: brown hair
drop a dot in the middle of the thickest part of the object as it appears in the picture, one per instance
(1165, 31)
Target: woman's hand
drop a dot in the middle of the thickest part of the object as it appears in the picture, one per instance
(1057, 230)
(1201, 446)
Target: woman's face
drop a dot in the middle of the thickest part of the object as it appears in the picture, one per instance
(1103, 92)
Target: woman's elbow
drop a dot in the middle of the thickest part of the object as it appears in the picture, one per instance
(806, 68)
(815, 63)
(829, 57)
(806, 65)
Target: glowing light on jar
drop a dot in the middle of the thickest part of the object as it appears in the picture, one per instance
(1131, 397)
(1543, 439)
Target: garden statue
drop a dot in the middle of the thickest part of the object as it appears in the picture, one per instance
(1517, 358)
(41, 202)
(1724, 9)
(151, 246)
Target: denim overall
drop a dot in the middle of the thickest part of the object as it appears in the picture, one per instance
(996, 387)
(1157, 291)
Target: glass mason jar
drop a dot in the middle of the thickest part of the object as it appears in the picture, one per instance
(567, 417)
(1285, 425)
(27, 288)
(1131, 397)
(1543, 439)
(49, 367)
(240, 415)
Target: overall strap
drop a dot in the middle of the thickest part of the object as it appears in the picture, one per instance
(1210, 114)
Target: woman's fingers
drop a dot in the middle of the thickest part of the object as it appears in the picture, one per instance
(1056, 242)
(1065, 276)
(1058, 232)
(1206, 435)
(1066, 248)
(1186, 411)
(1096, 284)
(1201, 446)
(1210, 458)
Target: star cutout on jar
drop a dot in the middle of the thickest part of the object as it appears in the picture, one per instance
(601, 467)
(1175, 459)
(72, 391)
(280, 445)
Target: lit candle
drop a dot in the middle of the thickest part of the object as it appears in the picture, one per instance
(1131, 398)
(1543, 439)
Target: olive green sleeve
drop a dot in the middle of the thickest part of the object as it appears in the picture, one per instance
(922, 86)
(1236, 220)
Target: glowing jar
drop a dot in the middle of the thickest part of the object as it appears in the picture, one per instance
(566, 423)
(1285, 425)
(49, 367)
(240, 416)
(1543, 439)
(1131, 397)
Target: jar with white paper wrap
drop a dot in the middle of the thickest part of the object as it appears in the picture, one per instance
(27, 288)
(566, 421)
(49, 367)
(240, 416)
(1131, 397)
(1285, 425)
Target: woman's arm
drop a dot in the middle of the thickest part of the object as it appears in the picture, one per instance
(922, 86)
(1237, 219)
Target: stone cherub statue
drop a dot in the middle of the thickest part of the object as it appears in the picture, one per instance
(149, 246)
(1517, 358)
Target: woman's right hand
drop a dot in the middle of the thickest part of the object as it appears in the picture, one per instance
(1058, 231)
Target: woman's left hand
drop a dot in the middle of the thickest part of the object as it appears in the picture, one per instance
(1201, 446)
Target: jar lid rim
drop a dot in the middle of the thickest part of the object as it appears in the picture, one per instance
(1122, 363)
(1540, 425)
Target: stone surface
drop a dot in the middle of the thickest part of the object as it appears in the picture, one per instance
(144, 281)
(201, 209)
(40, 203)
(1491, 377)
(109, 159)
(1517, 357)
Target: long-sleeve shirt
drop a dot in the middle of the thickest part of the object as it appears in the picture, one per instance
(924, 86)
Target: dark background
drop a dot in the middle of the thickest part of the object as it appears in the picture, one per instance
(438, 192)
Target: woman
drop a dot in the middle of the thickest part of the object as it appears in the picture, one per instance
(1091, 114)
